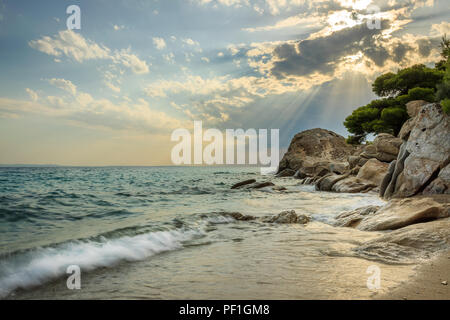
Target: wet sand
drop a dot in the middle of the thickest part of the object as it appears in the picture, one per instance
(426, 284)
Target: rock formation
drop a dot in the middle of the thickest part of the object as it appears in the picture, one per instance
(422, 163)
(312, 151)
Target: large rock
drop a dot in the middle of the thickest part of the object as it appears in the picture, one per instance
(243, 183)
(373, 171)
(313, 150)
(387, 147)
(353, 184)
(399, 213)
(423, 156)
(409, 244)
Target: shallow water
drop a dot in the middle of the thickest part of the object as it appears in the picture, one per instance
(160, 232)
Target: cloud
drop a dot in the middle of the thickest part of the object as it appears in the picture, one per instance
(33, 94)
(75, 46)
(63, 84)
(82, 108)
(159, 43)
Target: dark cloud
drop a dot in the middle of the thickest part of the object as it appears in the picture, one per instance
(322, 54)
(399, 51)
(377, 54)
(425, 47)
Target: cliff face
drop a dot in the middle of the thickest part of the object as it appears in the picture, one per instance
(422, 165)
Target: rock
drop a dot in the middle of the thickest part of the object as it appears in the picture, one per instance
(413, 107)
(387, 178)
(310, 147)
(408, 244)
(243, 183)
(299, 175)
(440, 185)
(338, 167)
(262, 185)
(426, 153)
(286, 173)
(406, 129)
(369, 152)
(399, 213)
(353, 185)
(239, 216)
(354, 217)
(353, 161)
(326, 182)
(279, 188)
(444, 283)
(288, 217)
(373, 171)
(387, 147)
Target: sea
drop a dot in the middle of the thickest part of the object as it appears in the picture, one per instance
(165, 233)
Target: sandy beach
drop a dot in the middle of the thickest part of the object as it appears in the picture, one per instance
(427, 283)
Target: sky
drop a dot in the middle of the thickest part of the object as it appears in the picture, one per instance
(112, 92)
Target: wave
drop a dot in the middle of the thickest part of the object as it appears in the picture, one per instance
(36, 267)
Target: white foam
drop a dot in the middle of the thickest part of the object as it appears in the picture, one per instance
(44, 264)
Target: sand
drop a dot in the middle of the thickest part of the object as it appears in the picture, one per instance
(426, 284)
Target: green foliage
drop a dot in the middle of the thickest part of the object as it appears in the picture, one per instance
(355, 139)
(446, 106)
(426, 94)
(414, 83)
(419, 75)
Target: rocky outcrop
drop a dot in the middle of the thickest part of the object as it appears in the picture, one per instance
(384, 148)
(409, 244)
(397, 213)
(312, 152)
(423, 156)
(369, 177)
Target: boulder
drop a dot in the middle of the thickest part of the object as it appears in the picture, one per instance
(311, 147)
(440, 185)
(399, 213)
(288, 217)
(353, 184)
(423, 156)
(373, 171)
(387, 147)
(239, 216)
(243, 183)
(326, 182)
(413, 107)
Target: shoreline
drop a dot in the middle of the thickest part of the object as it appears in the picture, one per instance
(425, 283)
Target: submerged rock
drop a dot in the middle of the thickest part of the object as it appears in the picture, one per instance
(243, 183)
(353, 218)
(288, 217)
(239, 216)
(262, 185)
